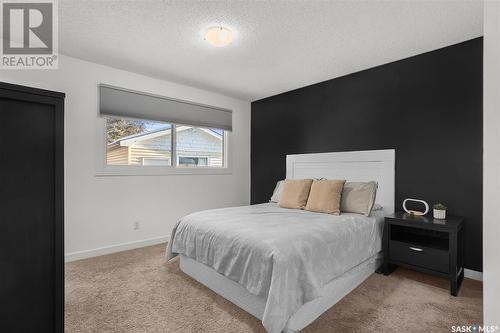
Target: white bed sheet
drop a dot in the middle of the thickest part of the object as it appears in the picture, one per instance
(284, 256)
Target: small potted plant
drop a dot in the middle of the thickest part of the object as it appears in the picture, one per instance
(439, 211)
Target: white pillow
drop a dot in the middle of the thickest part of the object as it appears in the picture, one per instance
(377, 207)
(278, 190)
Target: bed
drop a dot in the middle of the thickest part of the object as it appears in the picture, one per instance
(286, 267)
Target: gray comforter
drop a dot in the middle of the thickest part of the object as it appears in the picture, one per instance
(283, 255)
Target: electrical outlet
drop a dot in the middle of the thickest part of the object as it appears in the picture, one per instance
(137, 225)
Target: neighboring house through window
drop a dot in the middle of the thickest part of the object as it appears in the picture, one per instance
(155, 161)
(190, 161)
(149, 143)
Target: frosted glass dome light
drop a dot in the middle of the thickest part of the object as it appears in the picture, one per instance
(219, 36)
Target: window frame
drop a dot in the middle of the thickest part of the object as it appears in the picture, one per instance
(103, 169)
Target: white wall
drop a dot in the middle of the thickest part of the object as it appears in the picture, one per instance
(491, 194)
(100, 211)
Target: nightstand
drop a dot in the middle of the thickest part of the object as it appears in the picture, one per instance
(425, 244)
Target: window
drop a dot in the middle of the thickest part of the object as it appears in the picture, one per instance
(138, 142)
(144, 143)
(199, 147)
(147, 134)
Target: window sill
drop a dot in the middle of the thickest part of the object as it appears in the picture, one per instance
(159, 171)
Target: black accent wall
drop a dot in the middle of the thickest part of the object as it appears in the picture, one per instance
(427, 107)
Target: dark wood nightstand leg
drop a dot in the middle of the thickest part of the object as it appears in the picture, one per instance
(454, 287)
(385, 242)
(453, 240)
(460, 257)
(389, 268)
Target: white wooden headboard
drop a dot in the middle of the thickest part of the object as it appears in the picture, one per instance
(361, 166)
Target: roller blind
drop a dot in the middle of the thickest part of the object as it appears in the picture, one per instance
(132, 104)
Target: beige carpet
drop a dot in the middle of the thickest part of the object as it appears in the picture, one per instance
(136, 291)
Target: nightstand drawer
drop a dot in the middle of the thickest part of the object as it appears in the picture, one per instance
(422, 256)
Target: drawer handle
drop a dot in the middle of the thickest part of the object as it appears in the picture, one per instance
(416, 249)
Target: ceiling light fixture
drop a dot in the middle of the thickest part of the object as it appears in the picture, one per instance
(219, 36)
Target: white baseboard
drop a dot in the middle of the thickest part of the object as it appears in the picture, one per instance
(72, 256)
(475, 275)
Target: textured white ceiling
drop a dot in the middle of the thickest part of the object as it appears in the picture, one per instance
(279, 45)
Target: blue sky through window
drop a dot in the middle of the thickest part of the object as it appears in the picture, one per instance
(150, 126)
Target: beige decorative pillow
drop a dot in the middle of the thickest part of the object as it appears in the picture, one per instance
(277, 191)
(295, 193)
(358, 197)
(324, 196)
